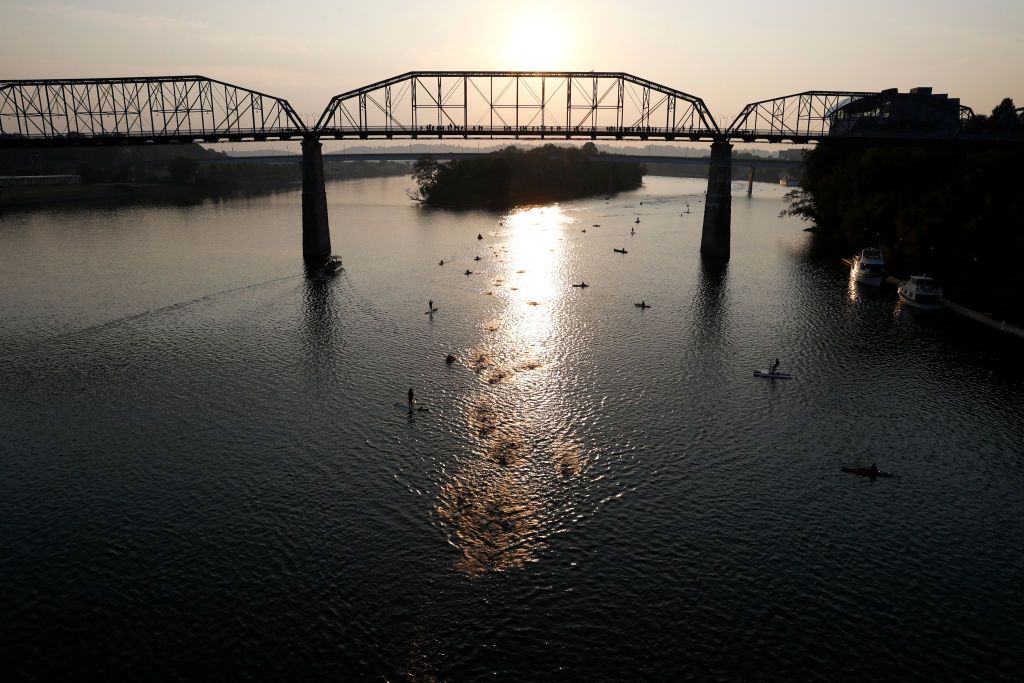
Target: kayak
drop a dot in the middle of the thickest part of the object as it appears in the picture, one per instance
(768, 374)
(866, 472)
(620, 251)
(642, 305)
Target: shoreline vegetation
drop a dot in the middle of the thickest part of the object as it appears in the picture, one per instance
(180, 174)
(513, 176)
(951, 210)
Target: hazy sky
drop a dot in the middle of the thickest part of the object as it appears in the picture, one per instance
(728, 53)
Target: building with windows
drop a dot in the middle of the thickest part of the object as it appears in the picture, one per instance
(890, 112)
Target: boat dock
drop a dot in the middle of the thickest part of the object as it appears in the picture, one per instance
(982, 318)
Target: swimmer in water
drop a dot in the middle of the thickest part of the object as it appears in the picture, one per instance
(441, 263)
(450, 359)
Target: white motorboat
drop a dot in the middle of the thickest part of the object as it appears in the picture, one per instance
(869, 266)
(333, 264)
(920, 291)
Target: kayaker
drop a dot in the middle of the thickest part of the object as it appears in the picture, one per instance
(873, 470)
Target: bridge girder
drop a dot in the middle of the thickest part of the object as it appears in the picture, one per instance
(140, 110)
(534, 104)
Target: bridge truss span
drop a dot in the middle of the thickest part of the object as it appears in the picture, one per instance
(800, 118)
(809, 117)
(140, 110)
(513, 104)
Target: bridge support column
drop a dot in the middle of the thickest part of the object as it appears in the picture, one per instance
(316, 232)
(750, 180)
(714, 241)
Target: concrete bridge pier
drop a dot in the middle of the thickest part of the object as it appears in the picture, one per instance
(714, 241)
(316, 232)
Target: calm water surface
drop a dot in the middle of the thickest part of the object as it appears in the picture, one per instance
(207, 470)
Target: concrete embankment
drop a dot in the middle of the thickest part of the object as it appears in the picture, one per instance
(1000, 325)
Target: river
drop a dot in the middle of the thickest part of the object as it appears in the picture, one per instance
(208, 470)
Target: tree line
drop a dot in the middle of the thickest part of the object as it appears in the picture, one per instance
(951, 209)
(514, 176)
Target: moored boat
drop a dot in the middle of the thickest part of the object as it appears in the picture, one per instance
(920, 291)
(869, 266)
(333, 264)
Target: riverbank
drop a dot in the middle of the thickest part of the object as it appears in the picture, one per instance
(950, 210)
(984, 319)
(27, 198)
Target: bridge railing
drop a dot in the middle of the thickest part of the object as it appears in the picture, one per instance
(148, 109)
(493, 103)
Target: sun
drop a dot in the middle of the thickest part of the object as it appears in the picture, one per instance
(538, 46)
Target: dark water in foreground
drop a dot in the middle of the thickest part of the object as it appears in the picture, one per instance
(203, 472)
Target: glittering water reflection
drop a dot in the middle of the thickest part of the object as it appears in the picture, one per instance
(498, 508)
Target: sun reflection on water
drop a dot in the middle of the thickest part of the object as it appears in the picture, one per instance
(498, 506)
(534, 257)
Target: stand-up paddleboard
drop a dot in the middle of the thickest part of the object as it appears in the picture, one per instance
(432, 311)
(414, 409)
(866, 472)
(768, 374)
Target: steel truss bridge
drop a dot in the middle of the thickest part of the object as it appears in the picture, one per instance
(140, 110)
(510, 103)
(420, 104)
